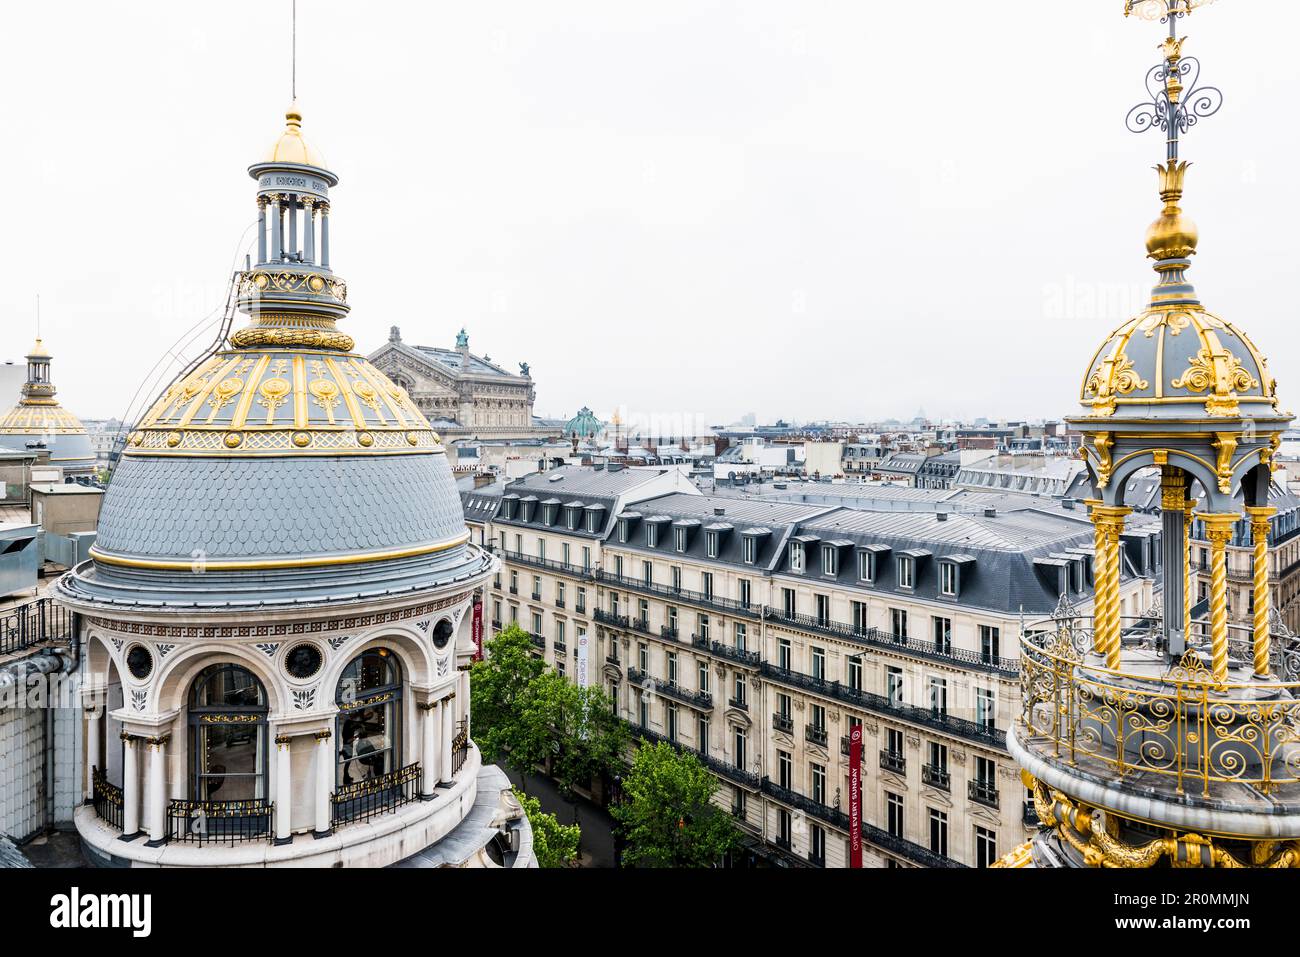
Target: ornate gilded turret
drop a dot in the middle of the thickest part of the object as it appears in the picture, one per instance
(39, 420)
(1169, 738)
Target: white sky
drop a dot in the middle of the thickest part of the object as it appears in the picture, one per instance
(799, 209)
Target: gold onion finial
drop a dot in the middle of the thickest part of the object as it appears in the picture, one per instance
(1173, 235)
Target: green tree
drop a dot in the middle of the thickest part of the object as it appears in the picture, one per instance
(591, 739)
(554, 844)
(543, 712)
(497, 684)
(667, 817)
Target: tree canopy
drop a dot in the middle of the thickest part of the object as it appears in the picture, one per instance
(667, 816)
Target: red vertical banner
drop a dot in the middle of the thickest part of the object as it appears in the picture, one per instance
(855, 796)
(478, 628)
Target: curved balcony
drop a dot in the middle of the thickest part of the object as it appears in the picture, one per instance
(375, 826)
(1161, 740)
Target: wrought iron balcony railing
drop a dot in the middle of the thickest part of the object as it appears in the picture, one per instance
(733, 653)
(1030, 815)
(839, 819)
(717, 765)
(982, 792)
(683, 595)
(876, 638)
(936, 776)
(893, 761)
(219, 822)
(364, 799)
(782, 722)
(610, 618)
(32, 623)
(553, 566)
(930, 717)
(815, 735)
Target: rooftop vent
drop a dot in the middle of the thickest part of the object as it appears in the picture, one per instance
(990, 513)
(941, 516)
(719, 511)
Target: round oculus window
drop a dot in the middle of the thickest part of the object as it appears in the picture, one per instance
(139, 662)
(442, 633)
(302, 661)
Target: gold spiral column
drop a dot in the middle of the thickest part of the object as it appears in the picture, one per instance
(1218, 529)
(1098, 579)
(1259, 529)
(1109, 522)
(1189, 509)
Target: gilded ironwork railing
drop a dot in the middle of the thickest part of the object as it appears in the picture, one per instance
(107, 798)
(219, 822)
(364, 799)
(1157, 718)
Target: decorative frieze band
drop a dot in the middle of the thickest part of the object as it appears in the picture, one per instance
(266, 631)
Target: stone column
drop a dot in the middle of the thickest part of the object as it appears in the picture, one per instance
(1218, 529)
(293, 225)
(324, 781)
(261, 229)
(433, 742)
(325, 235)
(429, 732)
(1173, 498)
(94, 716)
(448, 709)
(157, 812)
(309, 229)
(1259, 529)
(130, 788)
(277, 228)
(1109, 522)
(283, 790)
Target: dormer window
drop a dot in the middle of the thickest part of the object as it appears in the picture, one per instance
(549, 511)
(866, 566)
(623, 524)
(652, 535)
(906, 572)
(947, 578)
(711, 541)
(571, 517)
(830, 560)
(748, 550)
(679, 539)
(796, 557)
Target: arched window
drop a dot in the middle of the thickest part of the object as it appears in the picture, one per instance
(369, 697)
(227, 714)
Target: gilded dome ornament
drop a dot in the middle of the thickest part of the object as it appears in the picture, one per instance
(1164, 738)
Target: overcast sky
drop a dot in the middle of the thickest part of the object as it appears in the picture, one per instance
(798, 209)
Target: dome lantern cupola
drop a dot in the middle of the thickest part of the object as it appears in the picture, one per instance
(1167, 738)
(38, 420)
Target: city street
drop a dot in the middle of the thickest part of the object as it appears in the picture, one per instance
(596, 847)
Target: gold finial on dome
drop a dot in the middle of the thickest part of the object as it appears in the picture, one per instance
(292, 147)
(38, 351)
(1173, 235)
